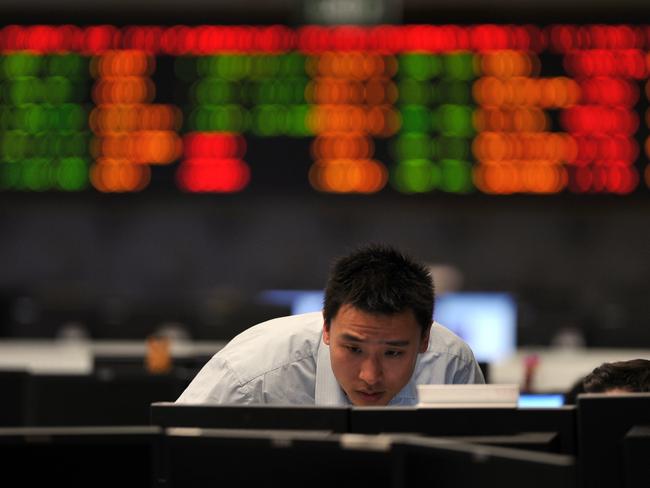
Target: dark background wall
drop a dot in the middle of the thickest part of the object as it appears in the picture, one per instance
(146, 259)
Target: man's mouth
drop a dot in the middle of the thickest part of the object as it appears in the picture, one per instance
(370, 396)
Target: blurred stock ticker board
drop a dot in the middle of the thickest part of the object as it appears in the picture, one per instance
(460, 109)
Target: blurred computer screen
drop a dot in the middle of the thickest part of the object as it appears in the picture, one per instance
(540, 400)
(487, 321)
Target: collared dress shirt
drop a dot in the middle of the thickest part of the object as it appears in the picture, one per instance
(284, 361)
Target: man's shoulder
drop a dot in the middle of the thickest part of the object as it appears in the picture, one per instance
(282, 328)
(448, 359)
(444, 341)
(273, 344)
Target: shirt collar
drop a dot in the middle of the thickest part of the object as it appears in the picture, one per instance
(408, 395)
(328, 391)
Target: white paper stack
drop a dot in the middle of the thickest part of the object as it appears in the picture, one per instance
(468, 396)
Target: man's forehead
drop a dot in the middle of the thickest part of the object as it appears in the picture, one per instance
(361, 339)
(359, 322)
(350, 310)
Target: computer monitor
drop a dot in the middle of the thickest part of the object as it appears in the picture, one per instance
(97, 399)
(487, 321)
(636, 447)
(603, 422)
(445, 463)
(208, 457)
(79, 457)
(540, 400)
(299, 301)
(452, 422)
(322, 418)
(204, 457)
(13, 385)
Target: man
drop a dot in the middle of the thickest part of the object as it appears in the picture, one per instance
(372, 344)
(632, 376)
(615, 378)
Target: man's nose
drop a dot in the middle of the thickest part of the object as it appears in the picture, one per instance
(371, 371)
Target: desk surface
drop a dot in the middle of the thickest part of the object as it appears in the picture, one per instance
(76, 357)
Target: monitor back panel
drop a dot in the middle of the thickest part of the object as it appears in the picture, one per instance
(69, 400)
(334, 419)
(203, 459)
(79, 457)
(13, 385)
(459, 465)
(636, 446)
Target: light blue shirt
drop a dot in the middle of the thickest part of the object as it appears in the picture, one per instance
(285, 361)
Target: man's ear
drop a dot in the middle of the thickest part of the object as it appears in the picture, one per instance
(424, 340)
(326, 333)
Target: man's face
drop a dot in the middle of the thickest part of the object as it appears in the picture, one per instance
(373, 356)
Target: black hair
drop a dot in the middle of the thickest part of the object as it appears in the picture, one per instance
(379, 279)
(632, 375)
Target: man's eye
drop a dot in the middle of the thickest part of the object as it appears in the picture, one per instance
(394, 354)
(353, 349)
